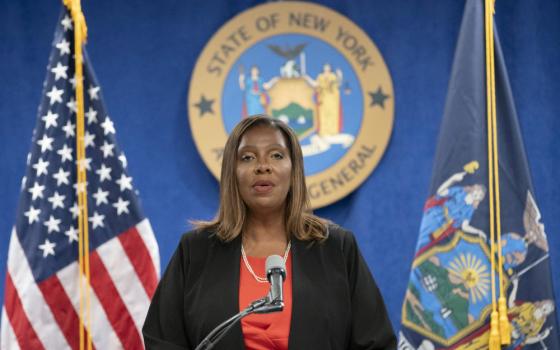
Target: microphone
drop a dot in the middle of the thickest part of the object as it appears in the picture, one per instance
(276, 274)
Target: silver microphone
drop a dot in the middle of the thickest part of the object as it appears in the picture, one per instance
(276, 274)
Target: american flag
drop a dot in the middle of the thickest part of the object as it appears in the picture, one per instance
(41, 305)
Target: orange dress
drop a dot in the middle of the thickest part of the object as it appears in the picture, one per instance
(264, 331)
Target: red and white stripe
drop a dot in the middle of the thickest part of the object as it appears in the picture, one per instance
(124, 274)
(8, 339)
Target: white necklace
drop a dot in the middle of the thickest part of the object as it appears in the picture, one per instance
(248, 266)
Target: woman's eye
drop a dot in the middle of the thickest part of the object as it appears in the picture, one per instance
(246, 157)
(277, 156)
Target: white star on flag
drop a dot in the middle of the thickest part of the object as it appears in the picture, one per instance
(72, 234)
(88, 140)
(57, 200)
(64, 47)
(52, 224)
(91, 115)
(32, 215)
(84, 163)
(107, 149)
(125, 182)
(104, 173)
(96, 220)
(122, 158)
(61, 177)
(73, 81)
(68, 128)
(47, 248)
(121, 206)
(108, 126)
(72, 105)
(36, 191)
(66, 23)
(41, 167)
(100, 197)
(75, 210)
(50, 119)
(55, 95)
(65, 153)
(59, 71)
(80, 187)
(45, 143)
(93, 91)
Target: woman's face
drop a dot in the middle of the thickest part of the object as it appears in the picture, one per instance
(263, 169)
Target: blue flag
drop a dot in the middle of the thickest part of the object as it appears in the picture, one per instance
(448, 301)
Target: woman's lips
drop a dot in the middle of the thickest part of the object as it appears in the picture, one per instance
(263, 186)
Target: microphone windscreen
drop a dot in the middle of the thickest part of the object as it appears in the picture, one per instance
(274, 262)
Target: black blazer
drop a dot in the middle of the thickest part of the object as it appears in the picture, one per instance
(335, 301)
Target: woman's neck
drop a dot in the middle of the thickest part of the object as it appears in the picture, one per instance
(265, 235)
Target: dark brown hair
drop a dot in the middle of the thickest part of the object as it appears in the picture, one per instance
(232, 213)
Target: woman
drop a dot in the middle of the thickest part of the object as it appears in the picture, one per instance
(331, 300)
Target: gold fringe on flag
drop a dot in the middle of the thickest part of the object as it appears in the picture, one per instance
(80, 36)
(500, 329)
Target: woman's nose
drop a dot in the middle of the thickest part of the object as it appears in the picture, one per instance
(263, 168)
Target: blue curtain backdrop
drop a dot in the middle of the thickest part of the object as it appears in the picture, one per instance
(144, 51)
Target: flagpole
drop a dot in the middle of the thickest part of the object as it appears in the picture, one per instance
(80, 35)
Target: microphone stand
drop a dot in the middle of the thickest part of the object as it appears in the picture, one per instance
(260, 306)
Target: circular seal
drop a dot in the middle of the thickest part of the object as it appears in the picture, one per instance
(310, 67)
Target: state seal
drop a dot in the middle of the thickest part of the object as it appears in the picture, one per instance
(310, 67)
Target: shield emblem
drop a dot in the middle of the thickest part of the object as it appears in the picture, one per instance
(449, 295)
(292, 101)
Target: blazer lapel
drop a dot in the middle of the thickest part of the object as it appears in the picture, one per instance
(304, 291)
(226, 271)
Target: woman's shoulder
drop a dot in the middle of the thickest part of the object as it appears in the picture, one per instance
(340, 236)
(195, 246)
(197, 238)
